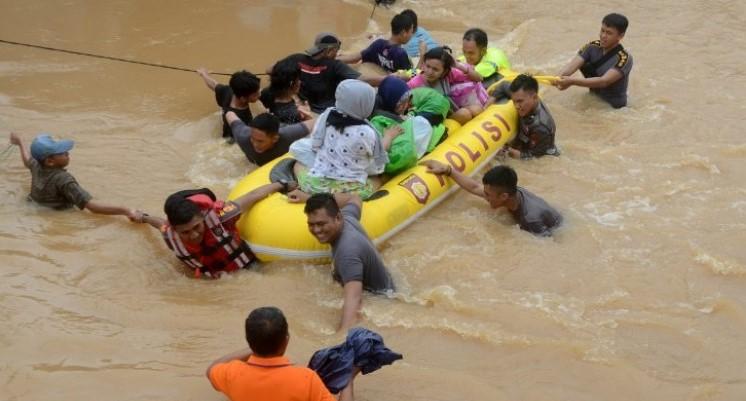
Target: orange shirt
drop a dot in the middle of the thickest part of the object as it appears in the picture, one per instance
(270, 379)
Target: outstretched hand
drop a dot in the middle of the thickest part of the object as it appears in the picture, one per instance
(15, 139)
(436, 167)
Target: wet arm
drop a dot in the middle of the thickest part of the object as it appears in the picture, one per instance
(102, 208)
(209, 81)
(245, 202)
(607, 79)
(572, 66)
(353, 300)
(154, 221)
(467, 183)
(25, 157)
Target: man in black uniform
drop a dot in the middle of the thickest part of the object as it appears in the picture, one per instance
(604, 63)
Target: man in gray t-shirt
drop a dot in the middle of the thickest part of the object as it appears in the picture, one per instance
(356, 263)
(604, 63)
(263, 140)
(500, 188)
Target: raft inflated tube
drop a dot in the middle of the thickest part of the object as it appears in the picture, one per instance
(276, 229)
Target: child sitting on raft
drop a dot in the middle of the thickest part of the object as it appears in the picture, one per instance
(458, 81)
(280, 96)
(344, 149)
(422, 129)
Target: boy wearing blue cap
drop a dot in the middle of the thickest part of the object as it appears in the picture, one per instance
(52, 185)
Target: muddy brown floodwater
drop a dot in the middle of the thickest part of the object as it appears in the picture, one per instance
(641, 296)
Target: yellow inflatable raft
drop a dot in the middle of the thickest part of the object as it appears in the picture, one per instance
(276, 229)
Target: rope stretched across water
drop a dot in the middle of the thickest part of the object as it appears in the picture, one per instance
(124, 60)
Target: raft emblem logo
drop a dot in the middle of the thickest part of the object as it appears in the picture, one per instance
(417, 187)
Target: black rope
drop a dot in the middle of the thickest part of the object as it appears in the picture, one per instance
(124, 60)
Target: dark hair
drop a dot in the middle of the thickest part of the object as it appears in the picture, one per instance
(616, 21)
(524, 82)
(411, 14)
(502, 177)
(284, 73)
(477, 36)
(244, 83)
(401, 23)
(322, 201)
(269, 123)
(443, 54)
(266, 331)
(179, 209)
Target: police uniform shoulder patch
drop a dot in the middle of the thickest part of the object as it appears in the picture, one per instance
(596, 43)
(623, 57)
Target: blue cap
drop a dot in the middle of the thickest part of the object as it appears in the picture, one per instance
(44, 146)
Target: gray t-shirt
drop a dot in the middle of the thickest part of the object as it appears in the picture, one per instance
(616, 93)
(55, 187)
(535, 215)
(288, 135)
(354, 257)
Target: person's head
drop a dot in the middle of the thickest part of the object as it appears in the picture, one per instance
(51, 153)
(474, 45)
(402, 28)
(324, 217)
(264, 132)
(267, 332)
(185, 215)
(325, 46)
(245, 86)
(438, 63)
(285, 77)
(355, 98)
(524, 94)
(413, 16)
(613, 28)
(395, 95)
(500, 184)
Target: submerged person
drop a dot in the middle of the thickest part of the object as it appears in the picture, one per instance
(536, 129)
(499, 187)
(264, 140)
(387, 53)
(280, 97)
(604, 63)
(241, 91)
(201, 230)
(458, 81)
(357, 265)
(487, 61)
(52, 185)
(420, 132)
(261, 372)
(344, 149)
(421, 39)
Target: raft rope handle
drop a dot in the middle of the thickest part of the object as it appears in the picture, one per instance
(124, 60)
